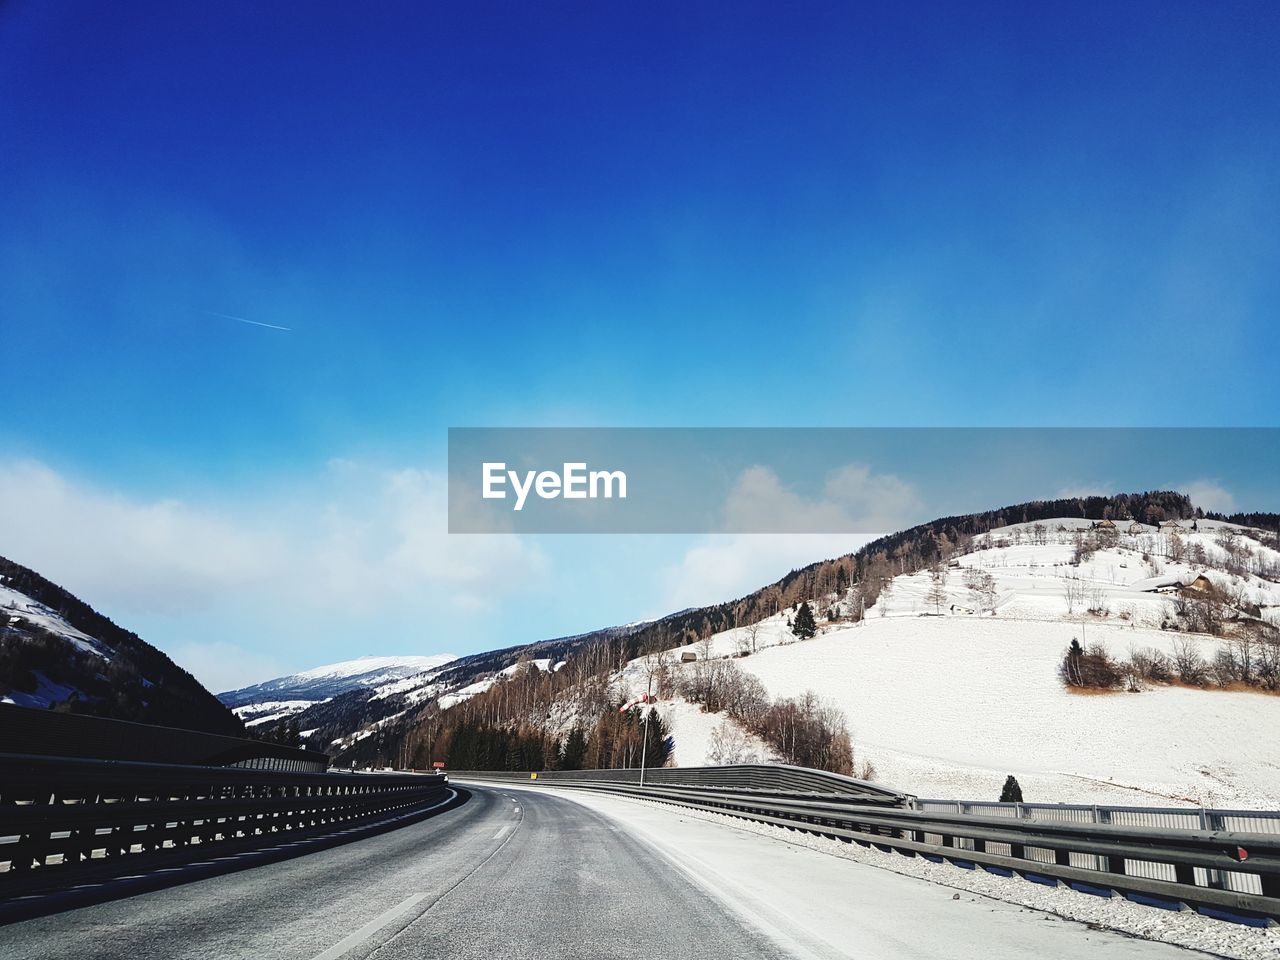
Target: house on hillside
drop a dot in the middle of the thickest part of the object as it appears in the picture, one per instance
(1174, 583)
(688, 656)
(1171, 525)
(1136, 528)
(1104, 524)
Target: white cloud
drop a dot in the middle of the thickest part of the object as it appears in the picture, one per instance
(225, 666)
(1085, 489)
(157, 556)
(726, 566)
(347, 548)
(852, 499)
(385, 536)
(1209, 495)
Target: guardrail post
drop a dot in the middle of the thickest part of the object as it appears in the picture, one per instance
(1215, 878)
(1114, 864)
(1270, 884)
(1017, 850)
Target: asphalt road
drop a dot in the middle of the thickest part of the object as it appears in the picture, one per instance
(508, 875)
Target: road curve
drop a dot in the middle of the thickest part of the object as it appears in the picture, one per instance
(506, 875)
(524, 874)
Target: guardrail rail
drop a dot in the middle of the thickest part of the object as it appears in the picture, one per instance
(66, 821)
(758, 779)
(1224, 864)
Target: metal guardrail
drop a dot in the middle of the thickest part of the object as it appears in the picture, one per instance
(46, 733)
(1175, 818)
(759, 779)
(1225, 872)
(65, 822)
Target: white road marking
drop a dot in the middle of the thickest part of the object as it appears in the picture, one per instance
(369, 929)
(502, 832)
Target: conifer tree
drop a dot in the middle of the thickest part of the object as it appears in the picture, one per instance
(1012, 792)
(575, 750)
(805, 626)
(657, 742)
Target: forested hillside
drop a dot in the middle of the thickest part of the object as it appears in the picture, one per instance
(57, 652)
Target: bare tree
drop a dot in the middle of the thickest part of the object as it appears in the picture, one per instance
(1244, 651)
(1098, 605)
(982, 589)
(937, 594)
(1187, 661)
(657, 669)
(990, 594)
(706, 647)
(729, 744)
(1073, 591)
(886, 591)
(753, 635)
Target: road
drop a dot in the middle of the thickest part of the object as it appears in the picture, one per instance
(515, 874)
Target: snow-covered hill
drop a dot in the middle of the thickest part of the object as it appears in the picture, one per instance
(947, 698)
(20, 614)
(56, 650)
(273, 699)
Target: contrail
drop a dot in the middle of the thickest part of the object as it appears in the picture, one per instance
(256, 323)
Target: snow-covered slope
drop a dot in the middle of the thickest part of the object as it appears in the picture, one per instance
(273, 699)
(20, 614)
(55, 649)
(480, 686)
(18, 611)
(947, 698)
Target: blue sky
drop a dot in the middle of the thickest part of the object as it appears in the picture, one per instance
(582, 214)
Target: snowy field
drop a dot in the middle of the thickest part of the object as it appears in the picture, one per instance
(948, 704)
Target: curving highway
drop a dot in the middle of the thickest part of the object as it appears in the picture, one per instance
(515, 874)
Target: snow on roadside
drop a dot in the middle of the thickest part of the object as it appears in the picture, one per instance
(1184, 929)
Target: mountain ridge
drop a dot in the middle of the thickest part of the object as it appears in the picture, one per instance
(56, 651)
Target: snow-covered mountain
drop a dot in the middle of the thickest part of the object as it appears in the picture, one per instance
(336, 716)
(57, 651)
(948, 691)
(273, 699)
(942, 646)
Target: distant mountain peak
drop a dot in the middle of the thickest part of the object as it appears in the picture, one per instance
(332, 679)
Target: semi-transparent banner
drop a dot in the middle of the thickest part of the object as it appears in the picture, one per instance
(831, 480)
